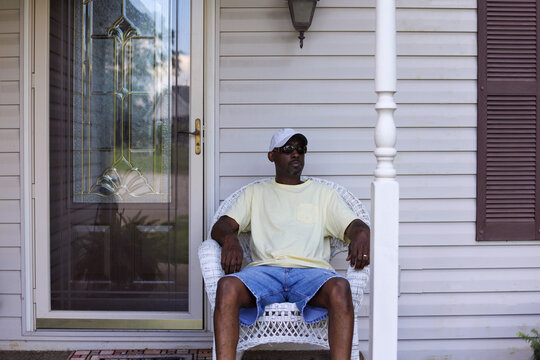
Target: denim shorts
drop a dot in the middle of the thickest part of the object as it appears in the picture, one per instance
(272, 284)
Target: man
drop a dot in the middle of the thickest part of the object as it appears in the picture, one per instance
(289, 220)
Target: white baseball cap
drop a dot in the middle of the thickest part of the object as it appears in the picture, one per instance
(281, 137)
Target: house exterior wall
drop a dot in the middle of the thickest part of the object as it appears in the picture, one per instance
(10, 194)
(459, 299)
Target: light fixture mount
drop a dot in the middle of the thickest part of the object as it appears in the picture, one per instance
(301, 16)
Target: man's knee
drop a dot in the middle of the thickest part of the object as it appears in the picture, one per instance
(231, 292)
(339, 293)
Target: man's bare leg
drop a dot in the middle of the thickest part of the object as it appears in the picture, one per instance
(335, 295)
(231, 295)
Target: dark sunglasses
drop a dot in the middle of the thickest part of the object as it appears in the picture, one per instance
(288, 149)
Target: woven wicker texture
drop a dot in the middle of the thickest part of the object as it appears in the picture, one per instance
(283, 323)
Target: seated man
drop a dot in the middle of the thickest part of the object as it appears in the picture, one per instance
(289, 220)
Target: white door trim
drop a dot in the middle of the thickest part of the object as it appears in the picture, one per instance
(35, 161)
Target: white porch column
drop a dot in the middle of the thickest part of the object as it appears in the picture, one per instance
(384, 194)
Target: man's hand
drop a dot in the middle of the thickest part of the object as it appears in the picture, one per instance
(358, 233)
(231, 254)
(224, 232)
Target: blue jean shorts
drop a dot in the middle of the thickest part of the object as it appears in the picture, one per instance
(272, 284)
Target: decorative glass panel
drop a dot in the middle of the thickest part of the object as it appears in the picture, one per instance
(119, 173)
(121, 112)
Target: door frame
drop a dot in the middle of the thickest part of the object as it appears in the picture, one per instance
(36, 185)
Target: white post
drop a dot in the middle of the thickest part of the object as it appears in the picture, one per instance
(384, 194)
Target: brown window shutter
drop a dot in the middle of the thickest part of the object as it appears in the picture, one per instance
(508, 171)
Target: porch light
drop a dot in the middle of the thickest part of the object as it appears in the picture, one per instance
(301, 15)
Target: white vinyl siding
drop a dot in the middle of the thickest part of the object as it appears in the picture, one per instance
(458, 297)
(10, 194)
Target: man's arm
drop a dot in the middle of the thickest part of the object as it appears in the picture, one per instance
(224, 232)
(358, 233)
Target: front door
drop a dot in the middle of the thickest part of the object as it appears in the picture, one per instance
(125, 166)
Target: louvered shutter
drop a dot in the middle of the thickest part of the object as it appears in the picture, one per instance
(508, 171)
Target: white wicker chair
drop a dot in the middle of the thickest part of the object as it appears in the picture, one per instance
(283, 323)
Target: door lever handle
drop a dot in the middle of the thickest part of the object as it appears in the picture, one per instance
(197, 134)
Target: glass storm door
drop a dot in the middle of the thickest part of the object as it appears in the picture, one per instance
(125, 173)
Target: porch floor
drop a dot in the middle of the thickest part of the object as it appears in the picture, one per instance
(175, 354)
(34, 355)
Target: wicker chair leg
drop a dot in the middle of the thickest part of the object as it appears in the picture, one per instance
(239, 355)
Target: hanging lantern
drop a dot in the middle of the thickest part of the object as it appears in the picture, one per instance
(301, 15)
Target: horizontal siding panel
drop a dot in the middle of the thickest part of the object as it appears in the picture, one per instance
(10, 164)
(9, 116)
(9, 4)
(436, 67)
(465, 349)
(11, 282)
(437, 234)
(10, 328)
(9, 69)
(9, 188)
(451, 20)
(458, 327)
(435, 210)
(10, 305)
(10, 259)
(9, 45)
(299, 67)
(436, 163)
(448, 4)
(9, 140)
(354, 139)
(464, 304)
(436, 44)
(436, 115)
(344, 115)
(464, 327)
(297, 115)
(343, 67)
(343, 91)
(449, 281)
(338, 163)
(279, 19)
(410, 187)
(470, 257)
(297, 91)
(10, 235)
(345, 43)
(460, 4)
(437, 187)
(436, 91)
(286, 43)
(9, 92)
(9, 21)
(10, 211)
(350, 19)
(508, 303)
(281, 3)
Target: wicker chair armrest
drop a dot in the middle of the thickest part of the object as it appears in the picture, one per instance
(358, 280)
(210, 260)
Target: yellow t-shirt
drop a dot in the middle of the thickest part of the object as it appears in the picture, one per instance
(290, 224)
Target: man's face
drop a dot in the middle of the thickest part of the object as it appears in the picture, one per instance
(288, 165)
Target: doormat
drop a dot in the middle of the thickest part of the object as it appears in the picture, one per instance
(148, 354)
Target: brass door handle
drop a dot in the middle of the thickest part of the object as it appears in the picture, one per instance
(197, 134)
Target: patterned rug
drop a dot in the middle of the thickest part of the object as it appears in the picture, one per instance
(176, 354)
